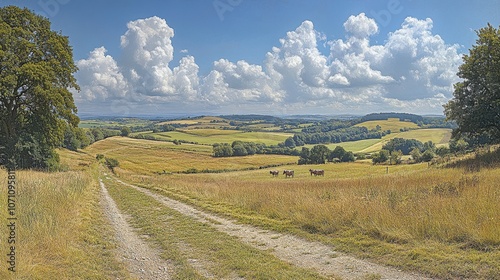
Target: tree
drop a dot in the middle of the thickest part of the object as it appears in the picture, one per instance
(381, 157)
(111, 163)
(403, 145)
(125, 131)
(319, 153)
(348, 157)
(476, 103)
(289, 142)
(428, 155)
(396, 157)
(338, 153)
(36, 105)
(222, 150)
(416, 155)
(305, 155)
(239, 150)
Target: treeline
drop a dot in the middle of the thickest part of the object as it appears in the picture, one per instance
(240, 148)
(393, 150)
(338, 135)
(79, 138)
(319, 154)
(333, 131)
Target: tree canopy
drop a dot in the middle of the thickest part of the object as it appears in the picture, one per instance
(476, 103)
(36, 75)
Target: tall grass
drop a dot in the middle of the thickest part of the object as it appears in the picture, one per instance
(442, 221)
(60, 231)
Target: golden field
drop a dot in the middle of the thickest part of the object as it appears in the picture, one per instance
(436, 220)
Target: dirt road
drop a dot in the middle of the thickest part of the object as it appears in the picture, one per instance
(143, 262)
(297, 251)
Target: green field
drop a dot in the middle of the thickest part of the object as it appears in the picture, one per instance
(114, 123)
(394, 125)
(211, 136)
(439, 136)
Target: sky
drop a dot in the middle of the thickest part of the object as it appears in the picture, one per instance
(275, 57)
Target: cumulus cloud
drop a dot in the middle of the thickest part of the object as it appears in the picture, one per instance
(361, 26)
(413, 71)
(100, 77)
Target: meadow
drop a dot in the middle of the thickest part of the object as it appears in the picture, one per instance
(61, 233)
(433, 219)
(209, 136)
(392, 124)
(438, 136)
(153, 157)
(440, 221)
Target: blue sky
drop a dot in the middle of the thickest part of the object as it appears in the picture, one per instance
(269, 57)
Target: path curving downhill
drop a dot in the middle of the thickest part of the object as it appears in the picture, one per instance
(297, 251)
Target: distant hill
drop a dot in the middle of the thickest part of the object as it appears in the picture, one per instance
(401, 116)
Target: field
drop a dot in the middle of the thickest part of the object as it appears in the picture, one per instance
(439, 221)
(392, 124)
(114, 122)
(211, 136)
(60, 228)
(148, 157)
(439, 136)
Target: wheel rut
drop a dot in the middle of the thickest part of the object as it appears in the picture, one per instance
(143, 262)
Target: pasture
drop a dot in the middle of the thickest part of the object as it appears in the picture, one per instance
(438, 221)
(211, 136)
(150, 157)
(392, 124)
(439, 136)
(196, 121)
(111, 122)
(435, 220)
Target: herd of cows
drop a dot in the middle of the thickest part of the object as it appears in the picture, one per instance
(290, 173)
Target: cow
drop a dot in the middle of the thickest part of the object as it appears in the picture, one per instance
(317, 172)
(274, 173)
(288, 173)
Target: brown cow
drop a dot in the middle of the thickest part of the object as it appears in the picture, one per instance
(317, 172)
(288, 173)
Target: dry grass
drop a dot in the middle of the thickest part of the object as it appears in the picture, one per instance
(150, 157)
(60, 231)
(440, 221)
(392, 124)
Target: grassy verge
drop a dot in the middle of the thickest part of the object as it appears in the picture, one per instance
(61, 233)
(197, 250)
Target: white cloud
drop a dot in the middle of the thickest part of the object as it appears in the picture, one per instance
(147, 52)
(361, 26)
(100, 78)
(413, 70)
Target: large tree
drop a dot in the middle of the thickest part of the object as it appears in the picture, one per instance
(476, 103)
(36, 75)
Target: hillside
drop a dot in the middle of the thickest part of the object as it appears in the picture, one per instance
(392, 124)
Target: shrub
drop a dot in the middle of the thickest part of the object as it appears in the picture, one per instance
(111, 163)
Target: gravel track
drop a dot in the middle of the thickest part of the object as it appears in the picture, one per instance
(143, 262)
(297, 251)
